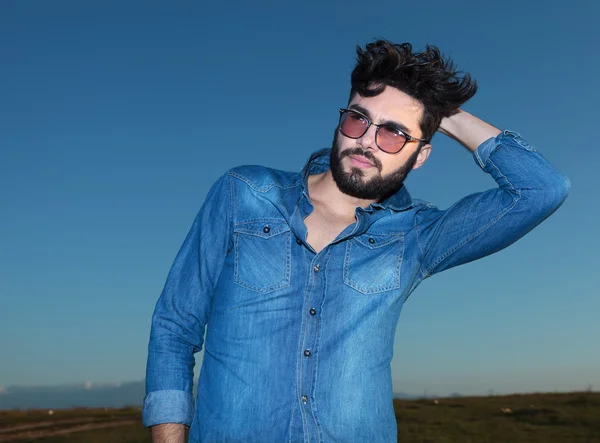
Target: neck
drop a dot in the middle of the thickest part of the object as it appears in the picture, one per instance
(324, 193)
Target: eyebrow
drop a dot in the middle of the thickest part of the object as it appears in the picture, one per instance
(391, 123)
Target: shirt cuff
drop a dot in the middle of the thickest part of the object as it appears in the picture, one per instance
(484, 150)
(168, 406)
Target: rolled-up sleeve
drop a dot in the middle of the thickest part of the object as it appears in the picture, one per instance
(182, 310)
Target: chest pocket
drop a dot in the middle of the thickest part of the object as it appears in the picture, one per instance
(372, 262)
(262, 255)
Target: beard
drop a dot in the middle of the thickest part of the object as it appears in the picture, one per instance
(378, 187)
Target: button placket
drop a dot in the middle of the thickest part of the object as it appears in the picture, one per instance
(308, 353)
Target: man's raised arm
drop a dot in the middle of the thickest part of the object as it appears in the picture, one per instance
(467, 129)
(529, 190)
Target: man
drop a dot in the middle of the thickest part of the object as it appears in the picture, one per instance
(300, 277)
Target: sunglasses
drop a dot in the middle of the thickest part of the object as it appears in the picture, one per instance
(388, 137)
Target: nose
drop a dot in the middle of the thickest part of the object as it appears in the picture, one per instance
(367, 141)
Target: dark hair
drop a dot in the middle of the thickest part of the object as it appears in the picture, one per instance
(427, 76)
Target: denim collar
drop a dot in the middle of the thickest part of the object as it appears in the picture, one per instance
(319, 162)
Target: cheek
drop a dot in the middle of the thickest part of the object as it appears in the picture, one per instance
(345, 142)
(391, 165)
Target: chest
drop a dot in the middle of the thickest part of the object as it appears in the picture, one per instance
(324, 229)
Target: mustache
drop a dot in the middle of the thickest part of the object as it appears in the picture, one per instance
(367, 154)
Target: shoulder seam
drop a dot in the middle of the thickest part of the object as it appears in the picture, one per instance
(252, 185)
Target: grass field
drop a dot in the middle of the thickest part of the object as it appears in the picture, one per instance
(531, 418)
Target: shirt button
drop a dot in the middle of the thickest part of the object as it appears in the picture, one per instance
(299, 241)
(266, 229)
(312, 311)
(316, 268)
(304, 399)
(307, 353)
(371, 240)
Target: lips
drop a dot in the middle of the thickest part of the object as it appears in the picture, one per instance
(361, 161)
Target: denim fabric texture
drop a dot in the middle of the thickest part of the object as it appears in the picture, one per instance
(299, 344)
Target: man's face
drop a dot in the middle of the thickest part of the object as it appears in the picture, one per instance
(359, 168)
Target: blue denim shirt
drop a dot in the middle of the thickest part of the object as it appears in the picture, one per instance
(299, 344)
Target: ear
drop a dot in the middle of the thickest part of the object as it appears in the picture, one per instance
(422, 156)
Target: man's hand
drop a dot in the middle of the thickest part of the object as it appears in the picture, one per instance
(168, 433)
(467, 129)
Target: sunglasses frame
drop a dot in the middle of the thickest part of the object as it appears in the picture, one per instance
(409, 138)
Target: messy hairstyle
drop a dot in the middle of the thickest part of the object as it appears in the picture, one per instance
(426, 76)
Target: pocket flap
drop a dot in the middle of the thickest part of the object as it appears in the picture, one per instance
(374, 241)
(265, 228)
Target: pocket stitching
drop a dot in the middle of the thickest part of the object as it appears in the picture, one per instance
(366, 244)
(355, 285)
(286, 277)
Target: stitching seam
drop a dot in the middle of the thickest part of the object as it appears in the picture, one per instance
(266, 188)
(484, 228)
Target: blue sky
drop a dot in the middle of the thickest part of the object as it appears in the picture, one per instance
(117, 116)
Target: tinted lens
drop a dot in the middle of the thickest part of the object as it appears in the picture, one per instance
(390, 139)
(353, 125)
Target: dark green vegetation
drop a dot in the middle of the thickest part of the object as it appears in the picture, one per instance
(531, 418)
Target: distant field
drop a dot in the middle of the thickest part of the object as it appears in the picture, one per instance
(531, 418)
(73, 425)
